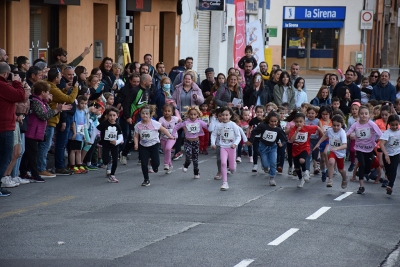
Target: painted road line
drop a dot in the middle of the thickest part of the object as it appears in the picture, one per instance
(39, 205)
(244, 263)
(343, 196)
(283, 237)
(318, 213)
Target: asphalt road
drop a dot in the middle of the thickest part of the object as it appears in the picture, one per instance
(82, 220)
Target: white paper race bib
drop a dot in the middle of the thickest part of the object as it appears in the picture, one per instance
(269, 136)
(146, 135)
(335, 143)
(227, 134)
(206, 119)
(111, 134)
(193, 127)
(363, 133)
(80, 129)
(393, 142)
(301, 137)
(326, 127)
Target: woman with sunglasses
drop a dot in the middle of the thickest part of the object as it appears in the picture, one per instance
(374, 78)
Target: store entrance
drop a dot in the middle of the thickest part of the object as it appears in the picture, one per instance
(310, 48)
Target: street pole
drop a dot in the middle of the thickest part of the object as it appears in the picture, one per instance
(122, 30)
(264, 7)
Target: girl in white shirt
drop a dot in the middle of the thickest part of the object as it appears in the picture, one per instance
(300, 96)
(229, 137)
(390, 146)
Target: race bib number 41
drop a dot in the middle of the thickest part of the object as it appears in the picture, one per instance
(227, 134)
(301, 137)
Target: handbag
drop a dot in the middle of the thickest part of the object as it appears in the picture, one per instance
(23, 127)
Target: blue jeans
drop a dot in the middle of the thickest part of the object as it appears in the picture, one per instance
(281, 155)
(43, 149)
(6, 148)
(268, 156)
(61, 143)
(15, 170)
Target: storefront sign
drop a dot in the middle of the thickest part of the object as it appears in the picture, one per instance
(313, 24)
(212, 5)
(138, 5)
(314, 13)
(63, 2)
(240, 34)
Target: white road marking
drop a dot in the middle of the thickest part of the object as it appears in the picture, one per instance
(283, 237)
(318, 213)
(392, 260)
(244, 263)
(343, 196)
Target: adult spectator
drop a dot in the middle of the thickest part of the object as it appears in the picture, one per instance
(360, 68)
(247, 72)
(294, 74)
(275, 74)
(322, 97)
(257, 93)
(97, 72)
(81, 77)
(188, 66)
(144, 69)
(9, 95)
(186, 94)
(148, 59)
(175, 71)
(221, 79)
(325, 80)
(108, 77)
(33, 75)
(384, 90)
(264, 71)
(60, 56)
(67, 78)
(159, 75)
(374, 78)
(232, 71)
(134, 67)
(43, 67)
(275, 67)
(23, 63)
(126, 73)
(398, 88)
(227, 93)
(117, 70)
(208, 83)
(355, 92)
(344, 96)
(333, 81)
(3, 55)
(61, 126)
(162, 95)
(283, 91)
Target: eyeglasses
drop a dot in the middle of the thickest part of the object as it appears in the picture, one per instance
(374, 76)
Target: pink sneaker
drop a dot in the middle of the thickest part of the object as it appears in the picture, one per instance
(251, 159)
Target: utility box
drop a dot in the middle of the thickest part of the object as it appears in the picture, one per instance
(356, 57)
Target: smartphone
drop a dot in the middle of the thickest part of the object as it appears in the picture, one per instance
(100, 87)
(91, 45)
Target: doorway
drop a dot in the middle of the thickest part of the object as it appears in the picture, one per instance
(167, 40)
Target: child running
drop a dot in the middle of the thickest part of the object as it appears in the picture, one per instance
(312, 119)
(216, 120)
(168, 122)
(281, 149)
(254, 122)
(355, 106)
(193, 128)
(365, 134)
(300, 136)
(147, 141)
(337, 147)
(110, 138)
(229, 137)
(272, 136)
(325, 122)
(204, 140)
(244, 124)
(390, 146)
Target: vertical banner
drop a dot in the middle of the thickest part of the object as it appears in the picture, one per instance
(255, 38)
(127, 54)
(240, 34)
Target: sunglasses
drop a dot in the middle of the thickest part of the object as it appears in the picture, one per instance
(374, 76)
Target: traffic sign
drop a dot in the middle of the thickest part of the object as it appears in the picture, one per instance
(367, 19)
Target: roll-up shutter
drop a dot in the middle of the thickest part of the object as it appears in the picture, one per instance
(204, 42)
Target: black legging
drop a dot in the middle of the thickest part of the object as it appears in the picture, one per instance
(365, 161)
(107, 148)
(289, 154)
(146, 153)
(28, 161)
(255, 150)
(391, 169)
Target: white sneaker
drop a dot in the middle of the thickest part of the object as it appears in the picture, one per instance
(19, 180)
(166, 167)
(306, 176)
(301, 183)
(238, 159)
(335, 172)
(272, 182)
(255, 167)
(228, 171)
(122, 159)
(224, 186)
(7, 182)
(184, 169)
(290, 171)
(169, 170)
(197, 176)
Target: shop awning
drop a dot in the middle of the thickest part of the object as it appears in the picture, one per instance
(313, 24)
(63, 2)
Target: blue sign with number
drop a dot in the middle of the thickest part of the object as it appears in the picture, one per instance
(314, 13)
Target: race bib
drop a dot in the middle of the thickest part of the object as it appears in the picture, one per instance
(193, 127)
(111, 134)
(80, 129)
(334, 143)
(170, 132)
(326, 127)
(146, 135)
(301, 137)
(393, 142)
(227, 134)
(363, 133)
(269, 136)
(206, 119)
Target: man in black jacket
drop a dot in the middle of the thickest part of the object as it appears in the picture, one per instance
(355, 92)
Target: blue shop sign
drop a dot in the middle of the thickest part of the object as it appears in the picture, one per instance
(313, 24)
(314, 13)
